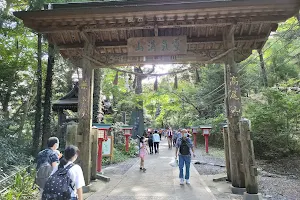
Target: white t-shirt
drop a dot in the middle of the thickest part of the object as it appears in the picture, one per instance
(76, 175)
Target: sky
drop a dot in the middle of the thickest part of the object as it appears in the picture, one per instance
(158, 70)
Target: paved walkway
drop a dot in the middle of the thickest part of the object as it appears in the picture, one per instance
(160, 182)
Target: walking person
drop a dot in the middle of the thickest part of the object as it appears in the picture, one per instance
(184, 149)
(47, 159)
(156, 140)
(160, 134)
(66, 180)
(150, 143)
(143, 152)
(175, 136)
(170, 136)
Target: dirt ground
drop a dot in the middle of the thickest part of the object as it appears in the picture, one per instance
(278, 179)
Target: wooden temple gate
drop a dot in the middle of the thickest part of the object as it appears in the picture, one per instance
(120, 33)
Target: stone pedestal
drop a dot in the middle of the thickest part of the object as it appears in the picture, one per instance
(252, 196)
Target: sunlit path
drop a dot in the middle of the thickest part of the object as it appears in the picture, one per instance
(159, 182)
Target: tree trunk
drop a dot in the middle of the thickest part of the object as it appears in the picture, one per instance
(27, 106)
(48, 95)
(197, 76)
(69, 79)
(38, 106)
(137, 116)
(96, 96)
(263, 69)
(5, 103)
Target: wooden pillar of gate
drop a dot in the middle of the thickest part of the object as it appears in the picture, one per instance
(85, 104)
(234, 111)
(94, 154)
(249, 164)
(226, 150)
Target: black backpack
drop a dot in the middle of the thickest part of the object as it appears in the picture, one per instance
(58, 185)
(184, 148)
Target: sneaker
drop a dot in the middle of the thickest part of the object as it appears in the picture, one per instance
(141, 168)
(181, 181)
(188, 181)
(144, 170)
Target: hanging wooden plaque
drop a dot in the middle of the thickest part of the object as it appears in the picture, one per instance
(157, 46)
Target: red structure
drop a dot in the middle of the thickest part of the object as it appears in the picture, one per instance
(102, 136)
(127, 134)
(195, 131)
(206, 133)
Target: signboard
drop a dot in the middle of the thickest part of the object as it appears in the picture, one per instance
(157, 46)
(107, 147)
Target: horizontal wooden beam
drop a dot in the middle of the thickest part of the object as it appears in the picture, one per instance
(53, 27)
(205, 56)
(161, 7)
(190, 41)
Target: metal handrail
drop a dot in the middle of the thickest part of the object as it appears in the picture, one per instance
(9, 177)
(14, 174)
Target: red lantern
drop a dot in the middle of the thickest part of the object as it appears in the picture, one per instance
(102, 136)
(195, 131)
(206, 133)
(127, 134)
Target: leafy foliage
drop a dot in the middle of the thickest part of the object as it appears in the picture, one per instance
(197, 100)
(275, 123)
(120, 155)
(22, 187)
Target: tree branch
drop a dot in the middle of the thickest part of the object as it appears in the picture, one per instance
(187, 101)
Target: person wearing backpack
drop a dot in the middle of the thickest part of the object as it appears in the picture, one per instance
(66, 180)
(184, 149)
(47, 159)
(150, 143)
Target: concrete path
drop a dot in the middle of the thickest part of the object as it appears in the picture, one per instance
(159, 182)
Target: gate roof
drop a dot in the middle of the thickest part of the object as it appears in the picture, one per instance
(203, 22)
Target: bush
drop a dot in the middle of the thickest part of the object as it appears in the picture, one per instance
(120, 154)
(216, 136)
(22, 187)
(14, 150)
(118, 133)
(274, 121)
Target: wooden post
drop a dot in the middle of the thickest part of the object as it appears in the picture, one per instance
(94, 153)
(227, 156)
(72, 134)
(250, 168)
(85, 104)
(234, 111)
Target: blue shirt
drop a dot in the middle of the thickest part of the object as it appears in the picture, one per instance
(176, 135)
(47, 155)
(156, 137)
(189, 143)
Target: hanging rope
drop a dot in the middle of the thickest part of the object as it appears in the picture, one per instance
(103, 65)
